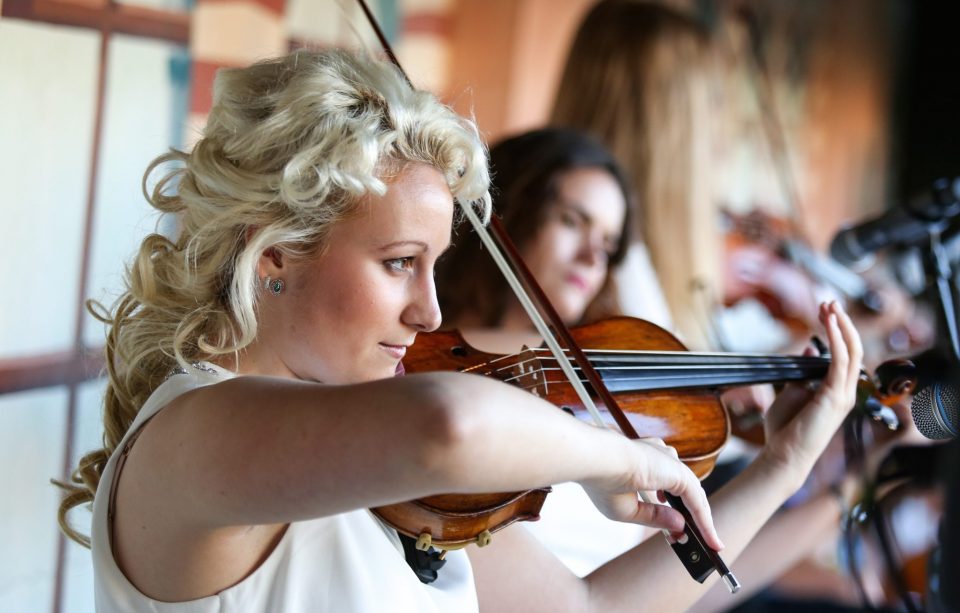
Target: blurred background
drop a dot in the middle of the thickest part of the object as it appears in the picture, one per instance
(828, 113)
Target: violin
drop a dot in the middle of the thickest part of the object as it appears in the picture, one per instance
(763, 262)
(755, 268)
(782, 273)
(666, 392)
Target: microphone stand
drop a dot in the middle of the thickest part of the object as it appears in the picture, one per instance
(940, 274)
(943, 594)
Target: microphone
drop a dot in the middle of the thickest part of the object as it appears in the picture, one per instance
(936, 411)
(910, 225)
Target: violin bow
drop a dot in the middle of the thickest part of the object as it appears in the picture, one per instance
(699, 559)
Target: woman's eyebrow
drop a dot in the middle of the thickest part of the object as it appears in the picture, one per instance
(405, 243)
(575, 207)
(422, 245)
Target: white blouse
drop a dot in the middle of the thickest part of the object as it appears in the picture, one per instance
(345, 562)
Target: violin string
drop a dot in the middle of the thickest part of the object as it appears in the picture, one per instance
(705, 354)
(664, 381)
(679, 358)
(678, 382)
(656, 365)
(710, 379)
(670, 369)
(603, 363)
(641, 356)
(656, 371)
(547, 364)
(665, 354)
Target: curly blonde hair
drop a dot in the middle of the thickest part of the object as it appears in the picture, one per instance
(290, 147)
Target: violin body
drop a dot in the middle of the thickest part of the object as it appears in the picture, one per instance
(755, 267)
(763, 262)
(453, 521)
(691, 420)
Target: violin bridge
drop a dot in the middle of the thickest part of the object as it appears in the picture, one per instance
(527, 373)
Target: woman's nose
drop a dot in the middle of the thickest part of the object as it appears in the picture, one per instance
(423, 312)
(592, 249)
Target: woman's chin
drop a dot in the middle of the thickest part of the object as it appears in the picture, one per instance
(571, 313)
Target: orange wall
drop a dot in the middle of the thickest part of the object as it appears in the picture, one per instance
(507, 57)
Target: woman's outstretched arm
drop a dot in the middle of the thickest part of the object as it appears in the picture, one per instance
(214, 477)
(650, 575)
(259, 450)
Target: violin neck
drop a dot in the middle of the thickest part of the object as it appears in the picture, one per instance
(624, 371)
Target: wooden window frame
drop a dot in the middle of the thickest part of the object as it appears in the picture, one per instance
(78, 364)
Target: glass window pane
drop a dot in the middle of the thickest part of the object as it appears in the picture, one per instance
(31, 450)
(145, 111)
(78, 579)
(88, 435)
(329, 23)
(47, 85)
(180, 6)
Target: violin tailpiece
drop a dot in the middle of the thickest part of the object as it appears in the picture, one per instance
(425, 564)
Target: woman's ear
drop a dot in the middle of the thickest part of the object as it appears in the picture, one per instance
(271, 263)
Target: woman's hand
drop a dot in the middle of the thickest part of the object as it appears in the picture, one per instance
(656, 467)
(750, 399)
(803, 418)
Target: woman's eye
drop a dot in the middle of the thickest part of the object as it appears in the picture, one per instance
(400, 264)
(611, 249)
(568, 219)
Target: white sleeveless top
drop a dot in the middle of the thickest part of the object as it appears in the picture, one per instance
(346, 562)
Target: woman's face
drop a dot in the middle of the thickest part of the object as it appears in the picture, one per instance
(570, 252)
(349, 314)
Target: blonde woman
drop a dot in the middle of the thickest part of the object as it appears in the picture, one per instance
(254, 413)
(647, 68)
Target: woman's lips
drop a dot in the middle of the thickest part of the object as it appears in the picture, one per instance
(396, 351)
(577, 281)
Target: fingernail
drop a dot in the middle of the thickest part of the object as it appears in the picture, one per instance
(819, 344)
